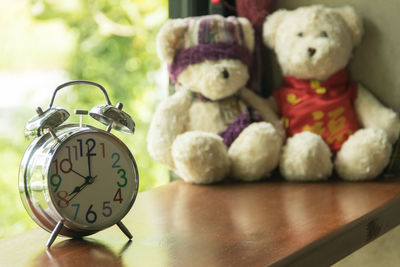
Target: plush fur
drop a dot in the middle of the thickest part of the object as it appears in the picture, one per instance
(292, 33)
(313, 43)
(184, 133)
(306, 157)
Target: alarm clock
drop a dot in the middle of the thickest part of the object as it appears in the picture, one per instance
(76, 179)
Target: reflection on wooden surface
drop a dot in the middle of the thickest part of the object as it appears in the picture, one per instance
(239, 224)
(80, 252)
(262, 223)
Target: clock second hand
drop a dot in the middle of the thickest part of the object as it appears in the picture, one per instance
(89, 180)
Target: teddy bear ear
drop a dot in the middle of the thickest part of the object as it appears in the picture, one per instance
(170, 39)
(248, 33)
(271, 25)
(353, 21)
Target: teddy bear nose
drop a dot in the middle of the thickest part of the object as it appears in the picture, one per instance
(225, 74)
(311, 51)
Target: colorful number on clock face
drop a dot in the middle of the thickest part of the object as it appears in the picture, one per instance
(92, 180)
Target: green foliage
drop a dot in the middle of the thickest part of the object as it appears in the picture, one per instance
(13, 219)
(115, 46)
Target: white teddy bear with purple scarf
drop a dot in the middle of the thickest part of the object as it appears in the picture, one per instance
(213, 127)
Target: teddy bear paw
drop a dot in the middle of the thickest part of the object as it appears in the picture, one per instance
(306, 157)
(364, 155)
(200, 157)
(255, 153)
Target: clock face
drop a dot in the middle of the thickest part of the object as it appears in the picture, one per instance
(92, 180)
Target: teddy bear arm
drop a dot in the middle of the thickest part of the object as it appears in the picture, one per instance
(372, 114)
(266, 110)
(273, 105)
(169, 120)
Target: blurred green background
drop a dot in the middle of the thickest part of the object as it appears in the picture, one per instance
(44, 43)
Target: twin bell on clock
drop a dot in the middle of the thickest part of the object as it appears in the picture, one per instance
(76, 179)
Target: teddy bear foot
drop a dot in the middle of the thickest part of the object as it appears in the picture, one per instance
(200, 157)
(255, 153)
(364, 155)
(306, 157)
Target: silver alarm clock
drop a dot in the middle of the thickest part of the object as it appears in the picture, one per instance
(76, 179)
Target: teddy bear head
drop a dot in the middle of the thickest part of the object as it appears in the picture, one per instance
(313, 42)
(209, 55)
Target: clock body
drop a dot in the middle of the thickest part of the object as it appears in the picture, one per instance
(81, 175)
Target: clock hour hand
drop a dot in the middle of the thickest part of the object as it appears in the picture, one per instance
(72, 170)
(78, 174)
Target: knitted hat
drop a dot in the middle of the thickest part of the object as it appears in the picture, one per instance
(212, 37)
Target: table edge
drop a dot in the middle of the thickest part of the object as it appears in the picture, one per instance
(349, 238)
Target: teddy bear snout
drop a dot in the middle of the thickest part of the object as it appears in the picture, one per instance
(311, 51)
(225, 73)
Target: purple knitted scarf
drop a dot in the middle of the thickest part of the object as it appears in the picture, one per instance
(201, 52)
(235, 129)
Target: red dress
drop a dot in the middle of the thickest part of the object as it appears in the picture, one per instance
(324, 108)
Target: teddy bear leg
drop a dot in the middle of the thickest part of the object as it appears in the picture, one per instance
(364, 155)
(306, 157)
(200, 157)
(255, 152)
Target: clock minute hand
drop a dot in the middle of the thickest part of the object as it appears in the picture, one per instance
(89, 164)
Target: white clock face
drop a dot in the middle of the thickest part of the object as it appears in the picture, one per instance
(92, 180)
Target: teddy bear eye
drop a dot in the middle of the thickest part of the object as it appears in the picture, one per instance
(324, 34)
(300, 34)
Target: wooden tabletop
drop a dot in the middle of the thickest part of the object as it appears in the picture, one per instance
(239, 224)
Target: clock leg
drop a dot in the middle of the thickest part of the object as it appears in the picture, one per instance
(55, 232)
(124, 230)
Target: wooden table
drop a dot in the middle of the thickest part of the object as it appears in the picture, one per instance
(248, 224)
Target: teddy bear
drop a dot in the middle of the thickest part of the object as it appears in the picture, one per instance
(212, 127)
(331, 122)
